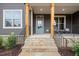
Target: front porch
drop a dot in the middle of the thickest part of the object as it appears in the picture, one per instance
(62, 18)
(40, 20)
(49, 29)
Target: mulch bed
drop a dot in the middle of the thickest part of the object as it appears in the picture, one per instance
(65, 51)
(12, 52)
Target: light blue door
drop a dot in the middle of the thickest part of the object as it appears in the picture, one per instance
(39, 25)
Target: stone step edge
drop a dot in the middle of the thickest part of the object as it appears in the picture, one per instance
(39, 47)
(40, 50)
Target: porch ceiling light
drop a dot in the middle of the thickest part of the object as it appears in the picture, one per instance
(41, 9)
(63, 9)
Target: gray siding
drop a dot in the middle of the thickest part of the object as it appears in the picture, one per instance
(46, 22)
(11, 6)
(72, 21)
(29, 22)
(68, 22)
(75, 23)
(34, 23)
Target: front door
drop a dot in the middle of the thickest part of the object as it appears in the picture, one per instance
(39, 24)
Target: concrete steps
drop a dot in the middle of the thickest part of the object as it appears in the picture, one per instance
(40, 52)
(39, 45)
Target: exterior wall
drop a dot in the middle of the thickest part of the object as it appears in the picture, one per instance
(34, 23)
(68, 22)
(75, 23)
(29, 22)
(12, 6)
(72, 21)
(46, 23)
(20, 38)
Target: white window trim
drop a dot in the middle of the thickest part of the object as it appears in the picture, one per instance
(4, 18)
(64, 21)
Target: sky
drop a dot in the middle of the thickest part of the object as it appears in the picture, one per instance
(39, 1)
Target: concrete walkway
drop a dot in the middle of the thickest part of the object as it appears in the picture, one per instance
(39, 45)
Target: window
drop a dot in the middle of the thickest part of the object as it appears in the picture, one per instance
(12, 18)
(60, 23)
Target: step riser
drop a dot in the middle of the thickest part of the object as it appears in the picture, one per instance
(40, 49)
(40, 45)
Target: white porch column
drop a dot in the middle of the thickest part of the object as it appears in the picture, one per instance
(31, 21)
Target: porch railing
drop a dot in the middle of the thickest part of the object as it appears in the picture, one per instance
(62, 41)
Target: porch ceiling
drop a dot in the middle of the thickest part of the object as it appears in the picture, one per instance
(41, 8)
(66, 8)
(60, 8)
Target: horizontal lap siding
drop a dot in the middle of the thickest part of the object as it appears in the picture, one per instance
(46, 22)
(19, 38)
(12, 6)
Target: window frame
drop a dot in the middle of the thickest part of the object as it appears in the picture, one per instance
(12, 20)
(59, 23)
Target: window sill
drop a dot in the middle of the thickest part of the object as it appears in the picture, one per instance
(59, 30)
(12, 27)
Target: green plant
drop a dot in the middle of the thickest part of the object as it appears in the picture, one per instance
(76, 48)
(10, 41)
(1, 41)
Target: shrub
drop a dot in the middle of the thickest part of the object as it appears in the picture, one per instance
(1, 41)
(10, 41)
(76, 48)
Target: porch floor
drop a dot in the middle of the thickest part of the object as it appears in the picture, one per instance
(39, 45)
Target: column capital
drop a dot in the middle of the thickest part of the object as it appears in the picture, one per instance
(52, 6)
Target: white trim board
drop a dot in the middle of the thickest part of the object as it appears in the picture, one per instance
(31, 21)
(64, 21)
(4, 18)
(9, 35)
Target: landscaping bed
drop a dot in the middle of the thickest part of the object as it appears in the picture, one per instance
(9, 46)
(66, 51)
(11, 52)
